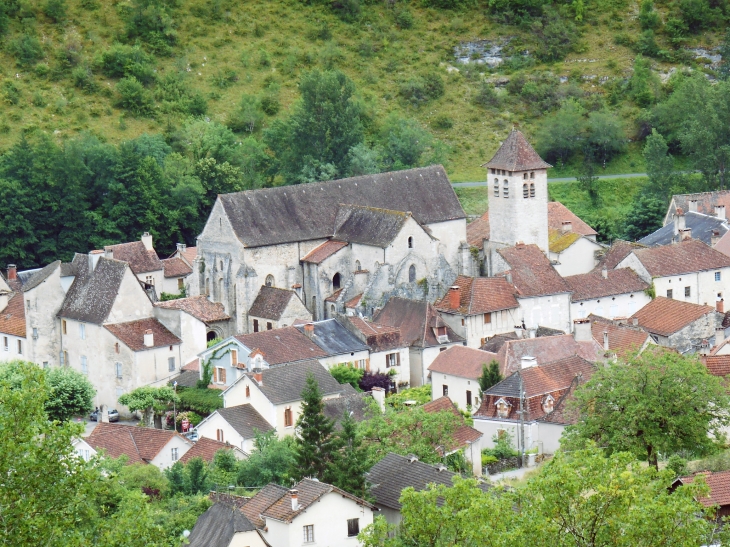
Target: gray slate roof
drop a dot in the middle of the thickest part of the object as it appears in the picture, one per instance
(217, 526)
(356, 403)
(333, 338)
(270, 216)
(187, 378)
(394, 473)
(38, 276)
(284, 384)
(26, 275)
(91, 296)
(368, 225)
(702, 227)
(245, 420)
(271, 302)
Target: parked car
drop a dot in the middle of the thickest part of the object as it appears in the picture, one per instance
(113, 415)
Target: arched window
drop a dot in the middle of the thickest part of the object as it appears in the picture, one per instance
(524, 176)
(410, 242)
(505, 191)
(411, 274)
(496, 188)
(532, 175)
(357, 266)
(525, 191)
(270, 281)
(332, 309)
(532, 189)
(336, 281)
(211, 335)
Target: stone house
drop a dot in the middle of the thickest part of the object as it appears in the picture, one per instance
(158, 447)
(464, 439)
(611, 257)
(689, 271)
(477, 235)
(706, 203)
(206, 449)
(607, 293)
(275, 308)
(260, 237)
(618, 340)
(424, 331)
(455, 374)
(690, 224)
(674, 324)
(235, 425)
(186, 254)
(570, 252)
(477, 308)
(12, 320)
(196, 319)
(546, 387)
(224, 525)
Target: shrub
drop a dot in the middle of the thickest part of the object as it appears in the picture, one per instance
(202, 401)
(370, 380)
(175, 96)
(487, 459)
(345, 374)
(55, 10)
(503, 447)
(120, 61)
(556, 36)
(648, 17)
(248, 117)
(347, 10)
(10, 92)
(26, 49)
(134, 97)
(486, 96)
(82, 78)
(421, 89)
(225, 78)
(270, 104)
(698, 15)
(442, 121)
(404, 19)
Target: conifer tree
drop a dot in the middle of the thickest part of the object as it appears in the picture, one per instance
(347, 470)
(314, 446)
(490, 375)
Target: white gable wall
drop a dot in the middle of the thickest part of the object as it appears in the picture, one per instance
(546, 311)
(378, 360)
(619, 305)
(45, 301)
(209, 428)
(476, 331)
(131, 302)
(164, 458)
(579, 258)
(457, 389)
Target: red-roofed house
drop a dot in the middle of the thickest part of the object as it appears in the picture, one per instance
(719, 484)
(679, 325)
(455, 374)
(465, 438)
(607, 293)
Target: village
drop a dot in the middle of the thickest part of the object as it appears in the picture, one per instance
(384, 275)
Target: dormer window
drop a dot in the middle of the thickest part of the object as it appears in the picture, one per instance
(548, 404)
(503, 408)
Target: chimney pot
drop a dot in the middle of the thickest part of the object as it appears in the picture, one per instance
(12, 271)
(720, 211)
(567, 226)
(719, 335)
(582, 330)
(147, 241)
(604, 273)
(259, 377)
(693, 206)
(149, 338)
(309, 329)
(181, 247)
(518, 331)
(294, 499)
(720, 305)
(454, 297)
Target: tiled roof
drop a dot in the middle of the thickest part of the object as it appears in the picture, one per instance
(394, 473)
(480, 295)
(545, 349)
(189, 254)
(323, 251)
(516, 154)
(334, 296)
(176, 267)
(12, 318)
(718, 365)
(304, 212)
(205, 449)
(91, 295)
(245, 419)
(615, 254)
(353, 302)
(267, 496)
(594, 285)
(354, 404)
(559, 213)
(532, 273)
(141, 444)
(378, 337)
(723, 245)
(464, 434)
(665, 316)
(40, 276)
(285, 384)
(495, 343)
(706, 202)
(284, 345)
(719, 483)
(368, 225)
(688, 256)
(415, 319)
(199, 307)
(271, 302)
(558, 240)
(192, 365)
(462, 361)
(477, 231)
(702, 227)
(132, 334)
(333, 338)
(218, 526)
(621, 339)
(140, 260)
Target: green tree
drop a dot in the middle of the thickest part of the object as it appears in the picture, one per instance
(70, 394)
(196, 476)
(314, 443)
(605, 135)
(644, 406)
(490, 375)
(723, 70)
(659, 165)
(345, 374)
(152, 401)
(648, 16)
(587, 177)
(405, 144)
(644, 86)
(176, 478)
(271, 461)
(561, 133)
(644, 217)
(349, 465)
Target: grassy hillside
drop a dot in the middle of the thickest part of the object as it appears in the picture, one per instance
(53, 78)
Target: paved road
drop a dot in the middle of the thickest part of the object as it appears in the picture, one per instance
(566, 179)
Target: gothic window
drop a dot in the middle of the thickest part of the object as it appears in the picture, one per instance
(505, 192)
(410, 242)
(270, 281)
(496, 188)
(336, 281)
(357, 266)
(532, 189)
(411, 274)
(502, 408)
(525, 191)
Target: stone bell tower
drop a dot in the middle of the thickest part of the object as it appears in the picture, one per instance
(518, 195)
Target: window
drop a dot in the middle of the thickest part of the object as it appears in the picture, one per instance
(64, 358)
(248, 391)
(532, 189)
(446, 390)
(219, 435)
(336, 281)
(270, 281)
(687, 291)
(35, 333)
(20, 347)
(669, 293)
(525, 191)
(118, 369)
(173, 454)
(357, 266)
(171, 364)
(27, 305)
(505, 190)
(255, 325)
(392, 360)
(45, 365)
(84, 366)
(440, 331)
(468, 398)
(548, 404)
(63, 326)
(502, 408)
(221, 265)
(717, 276)
(353, 527)
(524, 176)
(411, 274)
(287, 417)
(410, 242)
(219, 375)
(180, 284)
(116, 347)
(487, 318)
(82, 331)
(532, 175)
(149, 280)
(308, 533)
(5, 343)
(442, 349)
(496, 188)
(270, 326)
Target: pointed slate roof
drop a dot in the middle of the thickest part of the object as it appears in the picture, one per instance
(40, 276)
(516, 154)
(218, 526)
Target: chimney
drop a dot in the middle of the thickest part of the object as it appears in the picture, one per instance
(635, 321)
(508, 277)
(604, 273)
(605, 340)
(714, 238)
(309, 329)
(108, 252)
(258, 376)
(720, 211)
(12, 271)
(679, 224)
(518, 331)
(149, 338)
(719, 335)
(181, 247)
(685, 235)
(147, 241)
(454, 297)
(720, 305)
(294, 499)
(533, 332)
(582, 330)
(378, 394)
(693, 206)
(567, 226)
(527, 362)
(94, 257)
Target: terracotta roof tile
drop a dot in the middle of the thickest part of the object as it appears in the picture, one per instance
(193, 365)
(378, 337)
(593, 285)
(199, 307)
(718, 365)
(416, 320)
(516, 154)
(12, 318)
(558, 241)
(141, 444)
(189, 254)
(462, 361)
(545, 349)
(285, 345)
(479, 295)
(271, 302)
(266, 497)
(532, 273)
(622, 339)
(706, 202)
(477, 231)
(325, 250)
(719, 483)
(205, 449)
(334, 296)
(679, 258)
(140, 260)
(465, 434)
(353, 302)
(132, 334)
(665, 316)
(559, 213)
(176, 267)
(615, 254)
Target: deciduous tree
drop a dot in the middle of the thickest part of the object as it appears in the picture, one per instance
(152, 401)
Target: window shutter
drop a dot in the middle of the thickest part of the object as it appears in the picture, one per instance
(222, 375)
(387, 360)
(215, 375)
(397, 358)
(234, 357)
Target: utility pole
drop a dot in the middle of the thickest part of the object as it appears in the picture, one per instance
(174, 415)
(522, 419)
